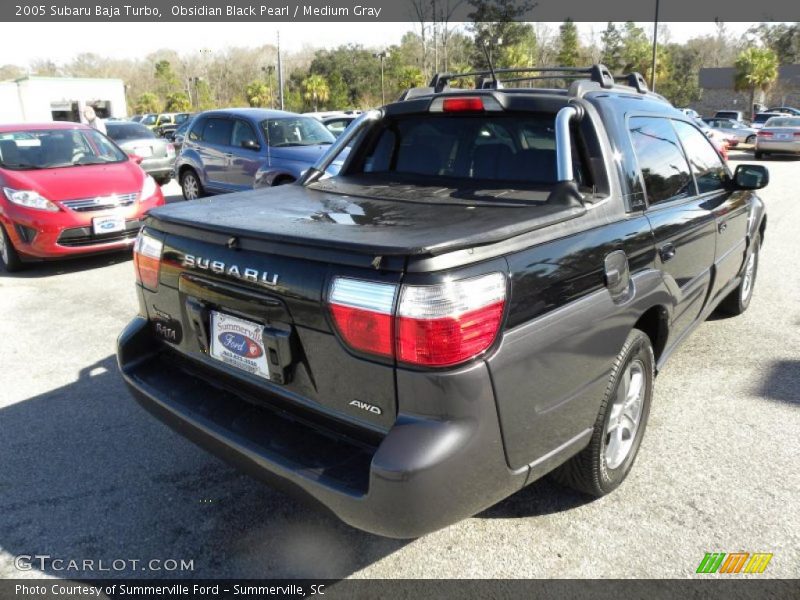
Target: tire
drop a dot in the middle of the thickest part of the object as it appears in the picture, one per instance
(604, 464)
(8, 254)
(739, 299)
(163, 180)
(190, 185)
(751, 139)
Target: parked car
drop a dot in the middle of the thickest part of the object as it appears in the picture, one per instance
(166, 128)
(787, 110)
(336, 121)
(483, 295)
(149, 120)
(67, 190)
(158, 155)
(136, 118)
(780, 135)
(235, 149)
(177, 136)
(720, 140)
(734, 129)
(736, 115)
(761, 118)
(690, 112)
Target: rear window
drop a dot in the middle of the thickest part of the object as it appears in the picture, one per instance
(783, 122)
(490, 149)
(120, 132)
(762, 118)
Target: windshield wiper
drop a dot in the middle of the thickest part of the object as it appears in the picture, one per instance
(20, 166)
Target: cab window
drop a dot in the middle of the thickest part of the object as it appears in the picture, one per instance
(709, 170)
(665, 171)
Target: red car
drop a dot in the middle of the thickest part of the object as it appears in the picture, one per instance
(67, 190)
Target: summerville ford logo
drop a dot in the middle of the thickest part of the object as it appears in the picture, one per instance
(217, 266)
(240, 344)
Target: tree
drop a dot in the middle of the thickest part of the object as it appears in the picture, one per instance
(166, 78)
(611, 55)
(495, 25)
(10, 72)
(636, 49)
(146, 103)
(257, 93)
(756, 69)
(316, 90)
(409, 77)
(177, 102)
(782, 39)
(680, 81)
(569, 49)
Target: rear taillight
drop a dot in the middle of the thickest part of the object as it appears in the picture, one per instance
(362, 311)
(435, 326)
(147, 260)
(456, 104)
(170, 151)
(764, 134)
(796, 134)
(446, 324)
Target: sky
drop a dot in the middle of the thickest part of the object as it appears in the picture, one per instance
(60, 42)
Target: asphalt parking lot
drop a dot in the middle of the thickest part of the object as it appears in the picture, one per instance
(86, 474)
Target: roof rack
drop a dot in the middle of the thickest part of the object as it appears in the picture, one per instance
(635, 80)
(598, 73)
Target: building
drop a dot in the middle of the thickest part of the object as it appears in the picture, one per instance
(37, 99)
(718, 93)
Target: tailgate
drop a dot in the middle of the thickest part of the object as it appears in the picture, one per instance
(260, 317)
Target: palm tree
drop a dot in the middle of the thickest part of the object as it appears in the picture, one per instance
(756, 69)
(316, 90)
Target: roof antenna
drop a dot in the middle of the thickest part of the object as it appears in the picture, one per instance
(489, 60)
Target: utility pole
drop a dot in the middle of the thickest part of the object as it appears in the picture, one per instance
(655, 48)
(280, 72)
(382, 56)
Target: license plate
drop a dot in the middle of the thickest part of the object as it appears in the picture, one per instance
(143, 151)
(783, 136)
(110, 224)
(239, 343)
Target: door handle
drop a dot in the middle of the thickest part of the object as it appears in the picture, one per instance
(667, 252)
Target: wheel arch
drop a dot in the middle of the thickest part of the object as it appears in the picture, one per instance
(655, 323)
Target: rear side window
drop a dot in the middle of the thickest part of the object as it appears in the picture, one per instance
(709, 171)
(664, 169)
(218, 131)
(467, 149)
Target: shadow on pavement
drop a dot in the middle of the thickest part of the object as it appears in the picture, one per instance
(542, 497)
(782, 382)
(70, 265)
(87, 474)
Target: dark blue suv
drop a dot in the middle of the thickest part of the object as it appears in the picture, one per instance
(227, 150)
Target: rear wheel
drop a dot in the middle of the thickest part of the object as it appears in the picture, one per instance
(190, 185)
(618, 431)
(8, 254)
(739, 299)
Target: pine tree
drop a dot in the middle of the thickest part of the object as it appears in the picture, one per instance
(569, 45)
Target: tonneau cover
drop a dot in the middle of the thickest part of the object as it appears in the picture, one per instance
(415, 221)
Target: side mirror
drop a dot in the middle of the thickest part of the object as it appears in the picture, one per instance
(136, 158)
(751, 177)
(251, 145)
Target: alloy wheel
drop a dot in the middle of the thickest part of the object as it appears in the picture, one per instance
(626, 414)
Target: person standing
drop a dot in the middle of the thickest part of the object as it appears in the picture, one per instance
(92, 120)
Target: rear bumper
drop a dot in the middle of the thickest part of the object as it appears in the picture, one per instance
(788, 146)
(424, 474)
